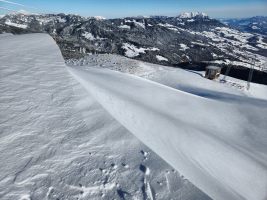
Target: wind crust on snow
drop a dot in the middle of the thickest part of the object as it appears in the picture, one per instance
(57, 142)
(226, 162)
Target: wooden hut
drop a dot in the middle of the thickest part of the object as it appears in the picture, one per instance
(212, 72)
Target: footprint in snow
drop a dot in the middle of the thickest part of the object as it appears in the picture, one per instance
(144, 169)
(144, 153)
(125, 165)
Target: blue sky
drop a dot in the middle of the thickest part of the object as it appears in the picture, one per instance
(123, 8)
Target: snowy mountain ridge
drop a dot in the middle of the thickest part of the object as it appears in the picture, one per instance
(193, 15)
(183, 42)
(256, 24)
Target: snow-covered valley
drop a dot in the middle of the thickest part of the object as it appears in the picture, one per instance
(185, 40)
(84, 132)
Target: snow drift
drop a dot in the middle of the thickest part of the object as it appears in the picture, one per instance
(51, 142)
(57, 142)
(219, 145)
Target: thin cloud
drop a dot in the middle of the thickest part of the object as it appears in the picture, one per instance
(24, 12)
(3, 8)
(12, 2)
(16, 10)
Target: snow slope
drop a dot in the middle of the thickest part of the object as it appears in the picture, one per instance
(219, 145)
(57, 142)
(23, 26)
(185, 80)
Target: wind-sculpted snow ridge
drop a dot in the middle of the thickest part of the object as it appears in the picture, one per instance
(57, 142)
(220, 146)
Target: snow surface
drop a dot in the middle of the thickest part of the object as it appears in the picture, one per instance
(173, 77)
(5, 34)
(124, 26)
(161, 58)
(183, 47)
(99, 17)
(23, 26)
(225, 38)
(88, 36)
(226, 162)
(170, 27)
(216, 133)
(133, 51)
(91, 37)
(186, 15)
(190, 20)
(57, 142)
(61, 20)
(261, 44)
(255, 27)
(140, 24)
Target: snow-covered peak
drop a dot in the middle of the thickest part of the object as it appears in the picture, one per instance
(141, 17)
(186, 15)
(21, 13)
(99, 17)
(24, 12)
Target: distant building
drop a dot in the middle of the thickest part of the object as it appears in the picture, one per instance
(212, 72)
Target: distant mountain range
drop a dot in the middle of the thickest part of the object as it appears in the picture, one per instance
(252, 25)
(188, 39)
